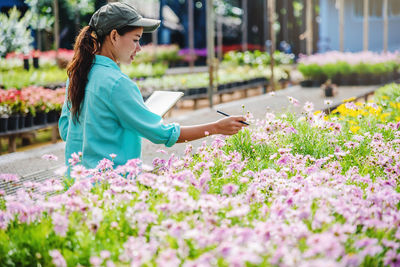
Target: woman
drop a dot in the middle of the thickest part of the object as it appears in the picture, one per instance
(104, 112)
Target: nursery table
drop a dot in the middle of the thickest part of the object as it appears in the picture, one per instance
(12, 135)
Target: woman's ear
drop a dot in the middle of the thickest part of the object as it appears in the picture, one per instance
(114, 36)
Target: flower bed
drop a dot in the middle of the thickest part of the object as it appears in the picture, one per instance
(28, 107)
(363, 68)
(289, 191)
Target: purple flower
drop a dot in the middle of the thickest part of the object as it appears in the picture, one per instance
(50, 157)
(75, 158)
(229, 189)
(308, 107)
(60, 223)
(392, 258)
(78, 172)
(293, 101)
(9, 177)
(96, 261)
(58, 259)
(105, 254)
(168, 258)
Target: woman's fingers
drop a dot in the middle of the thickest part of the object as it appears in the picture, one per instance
(231, 125)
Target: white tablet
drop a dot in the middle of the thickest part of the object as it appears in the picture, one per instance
(161, 101)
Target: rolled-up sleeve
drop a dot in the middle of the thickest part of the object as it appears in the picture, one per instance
(128, 105)
(64, 118)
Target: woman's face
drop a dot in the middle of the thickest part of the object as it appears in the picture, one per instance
(127, 45)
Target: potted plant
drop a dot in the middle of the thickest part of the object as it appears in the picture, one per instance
(306, 71)
(328, 88)
(5, 112)
(330, 70)
(41, 109)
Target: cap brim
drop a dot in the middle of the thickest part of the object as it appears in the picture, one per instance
(149, 25)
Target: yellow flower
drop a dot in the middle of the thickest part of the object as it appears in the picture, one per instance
(395, 105)
(384, 116)
(317, 112)
(349, 99)
(354, 129)
(385, 97)
(352, 122)
(398, 118)
(359, 104)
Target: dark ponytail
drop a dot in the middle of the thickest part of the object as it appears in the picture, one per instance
(85, 48)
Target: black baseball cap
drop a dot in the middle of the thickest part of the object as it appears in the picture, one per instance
(117, 15)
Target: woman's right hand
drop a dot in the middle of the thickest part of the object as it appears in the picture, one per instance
(230, 125)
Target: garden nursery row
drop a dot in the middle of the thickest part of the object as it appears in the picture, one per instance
(290, 190)
(148, 63)
(29, 107)
(363, 68)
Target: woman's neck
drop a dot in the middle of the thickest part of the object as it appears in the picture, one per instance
(106, 51)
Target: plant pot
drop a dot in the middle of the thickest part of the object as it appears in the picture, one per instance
(21, 122)
(345, 79)
(337, 79)
(202, 90)
(192, 91)
(328, 91)
(317, 83)
(361, 79)
(13, 122)
(52, 116)
(35, 61)
(306, 83)
(221, 87)
(3, 124)
(396, 75)
(28, 120)
(26, 63)
(40, 118)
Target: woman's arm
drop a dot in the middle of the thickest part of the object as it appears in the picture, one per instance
(226, 126)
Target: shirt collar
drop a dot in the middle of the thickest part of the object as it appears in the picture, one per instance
(106, 61)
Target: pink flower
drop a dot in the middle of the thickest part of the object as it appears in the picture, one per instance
(58, 259)
(95, 261)
(105, 164)
(105, 254)
(9, 177)
(308, 106)
(50, 157)
(229, 189)
(60, 223)
(75, 158)
(78, 172)
(293, 101)
(392, 258)
(168, 258)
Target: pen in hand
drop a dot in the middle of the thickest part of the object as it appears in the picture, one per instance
(222, 113)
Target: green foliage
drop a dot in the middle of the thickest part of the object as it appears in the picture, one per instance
(256, 58)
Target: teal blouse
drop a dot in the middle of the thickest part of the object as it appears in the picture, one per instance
(113, 119)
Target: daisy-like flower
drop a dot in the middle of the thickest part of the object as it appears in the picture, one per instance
(293, 101)
(50, 157)
(308, 106)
